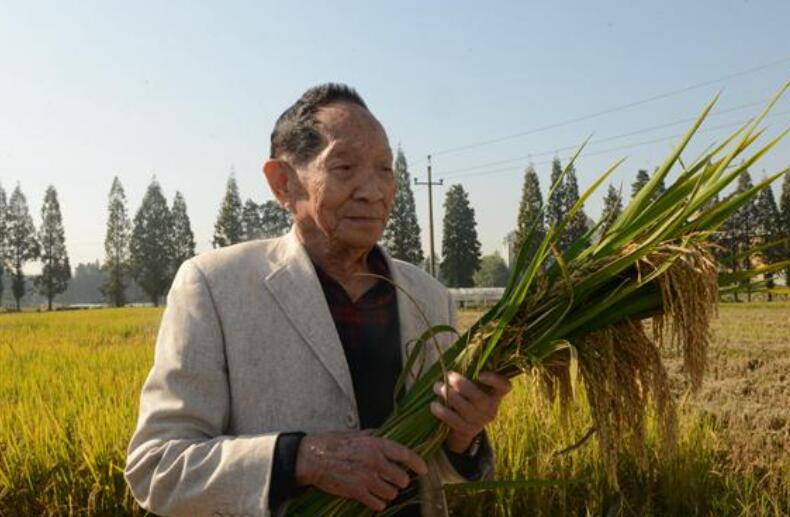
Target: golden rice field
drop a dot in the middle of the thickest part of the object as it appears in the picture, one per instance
(69, 386)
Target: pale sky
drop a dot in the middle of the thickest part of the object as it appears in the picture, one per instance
(186, 90)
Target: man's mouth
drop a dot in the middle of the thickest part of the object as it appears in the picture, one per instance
(363, 218)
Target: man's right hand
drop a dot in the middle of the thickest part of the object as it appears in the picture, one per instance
(356, 465)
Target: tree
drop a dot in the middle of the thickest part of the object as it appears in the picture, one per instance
(229, 229)
(251, 224)
(460, 247)
(555, 206)
(275, 220)
(660, 188)
(151, 244)
(21, 241)
(85, 284)
(116, 246)
(577, 226)
(768, 229)
(55, 271)
(182, 239)
(492, 273)
(739, 232)
(402, 235)
(530, 214)
(642, 177)
(3, 237)
(784, 207)
(264, 221)
(612, 208)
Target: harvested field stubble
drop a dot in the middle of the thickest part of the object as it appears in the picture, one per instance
(733, 455)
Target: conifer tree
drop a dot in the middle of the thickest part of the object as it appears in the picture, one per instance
(555, 206)
(55, 271)
(228, 229)
(3, 238)
(251, 224)
(21, 240)
(784, 208)
(612, 207)
(151, 246)
(577, 226)
(183, 240)
(116, 246)
(768, 230)
(460, 247)
(401, 237)
(275, 220)
(530, 214)
(642, 177)
(741, 227)
(660, 188)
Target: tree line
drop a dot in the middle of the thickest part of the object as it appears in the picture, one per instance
(742, 242)
(142, 252)
(148, 249)
(21, 242)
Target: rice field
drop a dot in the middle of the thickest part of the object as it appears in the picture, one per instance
(69, 386)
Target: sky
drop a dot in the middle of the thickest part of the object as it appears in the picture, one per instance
(186, 91)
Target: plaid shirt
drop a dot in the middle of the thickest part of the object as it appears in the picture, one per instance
(370, 333)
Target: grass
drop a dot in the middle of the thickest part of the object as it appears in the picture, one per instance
(68, 405)
(70, 386)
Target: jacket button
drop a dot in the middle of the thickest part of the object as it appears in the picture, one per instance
(351, 419)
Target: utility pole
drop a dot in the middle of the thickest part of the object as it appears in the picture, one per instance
(430, 183)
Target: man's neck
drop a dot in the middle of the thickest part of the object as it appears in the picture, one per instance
(347, 266)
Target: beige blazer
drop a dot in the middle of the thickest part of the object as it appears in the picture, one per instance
(247, 349)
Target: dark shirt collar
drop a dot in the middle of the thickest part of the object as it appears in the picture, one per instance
(377, 265)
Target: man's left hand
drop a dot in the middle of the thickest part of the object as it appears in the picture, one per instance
(467, 408)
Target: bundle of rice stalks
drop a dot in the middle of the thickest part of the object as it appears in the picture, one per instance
(582, 313)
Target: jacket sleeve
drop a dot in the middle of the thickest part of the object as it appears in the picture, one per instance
(485, 455)
(179, 460)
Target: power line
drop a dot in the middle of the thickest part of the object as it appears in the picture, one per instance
(603, 151)
(599, 141)
(612, 109)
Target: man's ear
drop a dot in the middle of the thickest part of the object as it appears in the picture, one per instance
(278, 174)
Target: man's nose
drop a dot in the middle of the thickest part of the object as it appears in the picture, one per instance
(371, 188)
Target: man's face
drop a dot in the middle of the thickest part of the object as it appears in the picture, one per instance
(346, 191)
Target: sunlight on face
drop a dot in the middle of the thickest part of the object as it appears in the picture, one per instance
(349, 187)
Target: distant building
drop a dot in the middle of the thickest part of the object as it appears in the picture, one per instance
(509, 248)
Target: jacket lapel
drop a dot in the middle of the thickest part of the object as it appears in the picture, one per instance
(411, 320)
(295, 286)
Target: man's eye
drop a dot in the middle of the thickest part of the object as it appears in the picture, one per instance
(342, 167)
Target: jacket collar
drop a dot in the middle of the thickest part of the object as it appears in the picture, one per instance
(293, 282)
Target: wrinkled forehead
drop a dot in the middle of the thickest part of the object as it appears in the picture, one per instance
(347, 125)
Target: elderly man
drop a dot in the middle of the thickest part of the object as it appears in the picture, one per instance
(275, 358)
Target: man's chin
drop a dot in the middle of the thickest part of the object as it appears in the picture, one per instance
(358, 239)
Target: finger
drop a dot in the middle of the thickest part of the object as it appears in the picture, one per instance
(371, 501)
(403, 455)
(381, 489)
(485, 403)
(393, 473)
(452, 419)
(471, 413)
(466, 388)
(500, 385)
